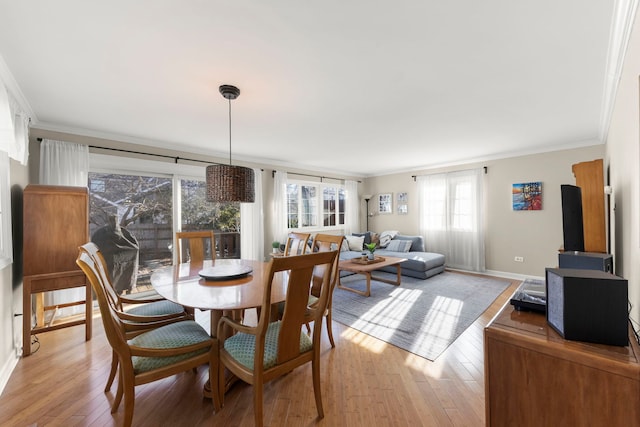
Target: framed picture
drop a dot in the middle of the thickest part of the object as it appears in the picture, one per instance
(527, 196)
(403, 200)
(385, 203)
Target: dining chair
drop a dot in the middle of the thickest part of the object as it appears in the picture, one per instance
(195, 246)
(151, 354)
(326, 243)
(261, 353)
(297, 244)
(142, 316)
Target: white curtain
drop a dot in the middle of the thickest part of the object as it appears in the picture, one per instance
(279, 210)
(14, 127)
(252, 224)
(352, 208)
(64, 163)
(450, 209)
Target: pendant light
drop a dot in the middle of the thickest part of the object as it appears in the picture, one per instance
(228, 183)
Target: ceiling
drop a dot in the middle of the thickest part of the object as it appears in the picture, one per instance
(359, 87)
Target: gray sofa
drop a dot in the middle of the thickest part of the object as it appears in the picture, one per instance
(419, 264)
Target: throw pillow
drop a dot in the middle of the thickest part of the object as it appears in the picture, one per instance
(366, 235)
(375, 238)
(399, 245)
(355, 242)
(385, 237)
(345, 245)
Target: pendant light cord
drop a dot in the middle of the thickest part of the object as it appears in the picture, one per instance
(229, 131)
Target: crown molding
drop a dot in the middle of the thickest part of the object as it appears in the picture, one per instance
(624, 13)
(12, 86)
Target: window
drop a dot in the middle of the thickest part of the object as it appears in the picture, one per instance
(315, 205)
(153, 200)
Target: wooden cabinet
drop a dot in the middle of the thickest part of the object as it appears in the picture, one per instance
(533, 377)
(590, 179)
(55, 223)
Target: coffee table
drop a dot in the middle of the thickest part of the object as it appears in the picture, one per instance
(359, 267)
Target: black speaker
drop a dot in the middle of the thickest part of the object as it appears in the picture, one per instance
(572, 227)
(587, 305)
(586, 260)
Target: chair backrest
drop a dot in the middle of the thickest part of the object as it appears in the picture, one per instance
(297, 244)
(102, 272)
(327, 243)
(195, 246)
(112, 324)
(299, 272)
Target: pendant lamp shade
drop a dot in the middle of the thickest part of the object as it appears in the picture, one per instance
(229, 183)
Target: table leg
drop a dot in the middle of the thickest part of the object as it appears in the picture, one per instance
(216, 315)
(370, 277)
(392, 282)
(365, 293)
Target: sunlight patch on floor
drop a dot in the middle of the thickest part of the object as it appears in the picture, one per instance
(441, 321)
(389, 312)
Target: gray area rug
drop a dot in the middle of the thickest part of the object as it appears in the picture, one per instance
(421, 316)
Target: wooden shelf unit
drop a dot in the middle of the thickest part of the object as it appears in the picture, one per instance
(55, 223)
(534, 377)
(590, 179)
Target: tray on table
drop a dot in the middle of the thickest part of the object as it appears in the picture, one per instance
(367, 261)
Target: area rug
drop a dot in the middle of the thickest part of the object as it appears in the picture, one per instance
(421, 316)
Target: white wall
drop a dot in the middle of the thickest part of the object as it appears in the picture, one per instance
(623, 159)
(11, 282)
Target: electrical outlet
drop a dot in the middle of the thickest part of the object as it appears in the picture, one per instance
(518, 259)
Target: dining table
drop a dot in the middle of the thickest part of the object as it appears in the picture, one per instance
(224, 287)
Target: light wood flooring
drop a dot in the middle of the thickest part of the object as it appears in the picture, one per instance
(365, 382)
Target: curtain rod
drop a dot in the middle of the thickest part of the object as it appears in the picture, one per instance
(486, 171)
(165, 156)
(273, 174)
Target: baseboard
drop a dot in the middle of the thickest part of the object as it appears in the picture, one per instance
(502, 274)
(7, 369)
(512, 276)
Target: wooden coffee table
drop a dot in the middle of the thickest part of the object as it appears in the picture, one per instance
(357, 266)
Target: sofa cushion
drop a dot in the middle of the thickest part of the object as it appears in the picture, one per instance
(355, 242)
(366, 235)
(417, 242)
(386, 236)
(419, 261)
(399, 245)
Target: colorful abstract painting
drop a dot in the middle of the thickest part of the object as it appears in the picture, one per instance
(527, 196)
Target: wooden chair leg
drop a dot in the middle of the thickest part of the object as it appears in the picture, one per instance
(112, 373)
(258, 388)
(118, 398)
(315, 367)
(129, 401)
(330, 330)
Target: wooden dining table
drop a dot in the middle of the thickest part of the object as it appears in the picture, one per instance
(184, 285)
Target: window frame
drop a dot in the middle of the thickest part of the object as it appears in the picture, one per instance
(319, 206)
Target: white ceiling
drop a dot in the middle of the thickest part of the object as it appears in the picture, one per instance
(362, 87)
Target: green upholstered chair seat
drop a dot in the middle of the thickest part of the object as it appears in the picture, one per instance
(242, 346)
(158, 308)
(175, 335)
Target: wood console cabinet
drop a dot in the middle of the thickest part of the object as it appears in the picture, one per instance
(55, 223)
(533, 377)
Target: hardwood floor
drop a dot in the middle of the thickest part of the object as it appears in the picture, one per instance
(365, 382)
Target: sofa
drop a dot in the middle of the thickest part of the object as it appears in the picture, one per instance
(419, 264)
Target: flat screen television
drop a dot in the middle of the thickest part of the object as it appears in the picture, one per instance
(572, 226)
